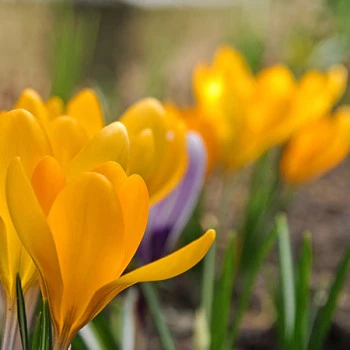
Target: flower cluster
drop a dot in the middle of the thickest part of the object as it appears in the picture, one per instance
(241, 115)
(74, 202)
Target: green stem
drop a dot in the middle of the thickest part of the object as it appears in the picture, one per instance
(153, 302)
(208, 283)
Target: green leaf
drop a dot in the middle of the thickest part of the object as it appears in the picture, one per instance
(302, 293)
(325, 313)
(208, 283)
(78, 343)
(260, 209)
(75, 40)
(223, 296)
(36, 341)
(153, 303)
(21, 314)
(46, 336)
(286, 280)
(100, 327)
(248, 284)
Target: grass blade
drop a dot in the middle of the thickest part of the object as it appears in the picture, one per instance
(223, 296)
(21, 314)
(302, 292)
(154, 306)
(100, 328)
(249, 282)
(287, 280)
(208, 283)
(325, 313)
(46, 337)
(36, 341)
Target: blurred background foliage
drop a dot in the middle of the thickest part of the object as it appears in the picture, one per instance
(152, 50)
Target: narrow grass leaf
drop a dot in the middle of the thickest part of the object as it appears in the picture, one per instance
(302, 292)
(223, 296)
(36, 340)
(21, 314)
(153, 303)
(325, 313)
(208, 282)
(102, 332)
(286, 279)
(248, 285)
(46, 337)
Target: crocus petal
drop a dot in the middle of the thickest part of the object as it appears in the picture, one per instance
(31, 225)
(169, 217)
(165, 268)
(317, 148)
(337, 81)
(32, 102)
(54, 107)
(110, 144)
(173, 165)
(163, 137)
(47, 181)
(20, 135)
(86, 217)
(67, 137)
(86, 108)
(173, 264)
(132, 192)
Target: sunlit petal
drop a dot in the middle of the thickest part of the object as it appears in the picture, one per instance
(86, 108)
(110, 144)
(32, 102)
(67, 137)
(47, 181)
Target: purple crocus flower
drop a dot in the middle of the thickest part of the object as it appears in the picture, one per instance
(168, 218)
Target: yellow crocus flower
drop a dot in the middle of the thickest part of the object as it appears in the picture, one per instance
(24, 135)
(20, 135)
(157, 147)
(157, 141)
(317, 148)
(196, 120)
(94, 225)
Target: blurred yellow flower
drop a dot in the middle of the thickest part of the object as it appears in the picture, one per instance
(253, 114)
(317, 148)
(196, 120)
(101, 214)
(157, 141)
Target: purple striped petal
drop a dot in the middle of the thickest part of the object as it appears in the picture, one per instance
(169, 217)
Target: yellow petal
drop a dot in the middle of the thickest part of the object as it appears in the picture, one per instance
(31, 225)
(337, 81)
(20, 135)
(54, 107)
(133, 195)
(172, 166)
(110, 144)
(174, 264)
(47, 181)
(317, 148)
(162, 136)
(168, 267)
(86, 221)
(67, 137)
(86, 108)
(32, 102)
